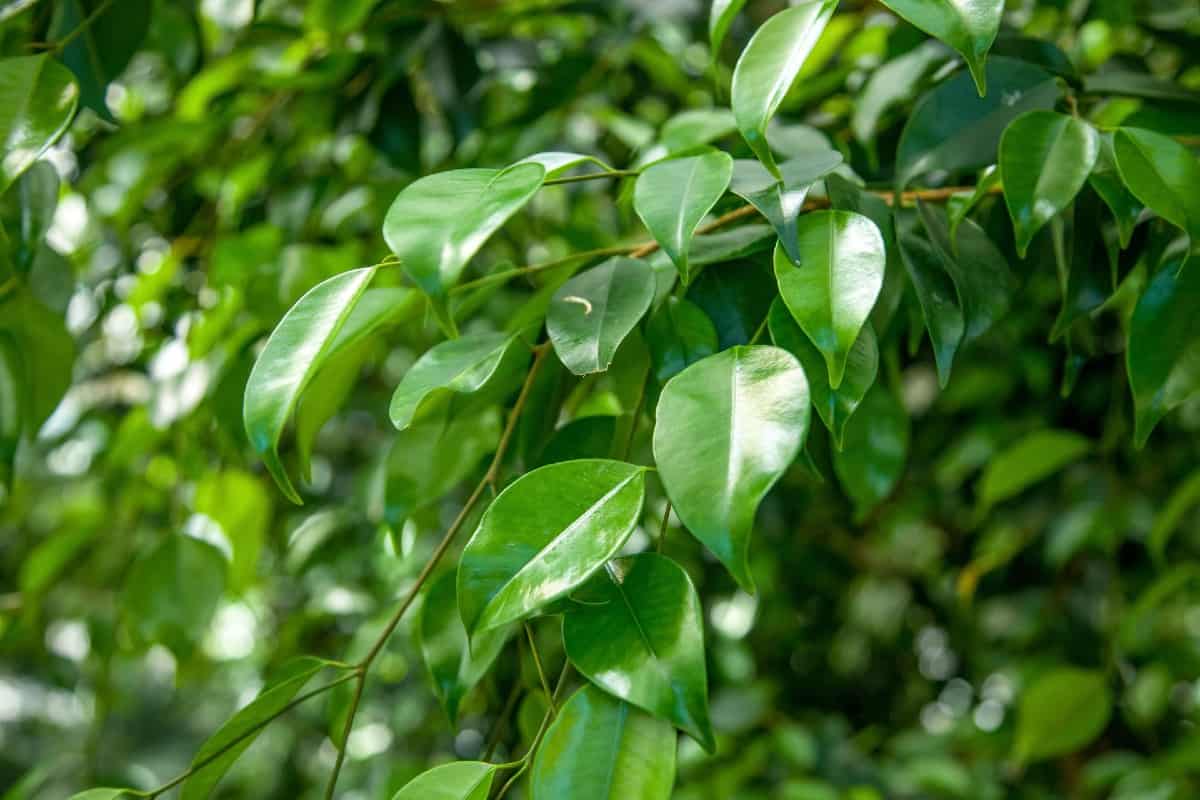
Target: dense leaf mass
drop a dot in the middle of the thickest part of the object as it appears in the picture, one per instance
(628, 400)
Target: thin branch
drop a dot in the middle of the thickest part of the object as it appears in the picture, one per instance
(541, 731)
(82, 26)
(501, 277)
(537, 664)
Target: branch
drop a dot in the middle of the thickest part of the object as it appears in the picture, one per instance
(593, 176)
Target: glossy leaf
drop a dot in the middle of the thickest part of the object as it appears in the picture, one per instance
(780, 200)
(833, 288)
(294, 353)
(636, 631)
(834, 406)
(960, 205)
(726, 429)
(969, 26)
(894, 84)
(1106, 180)
(458, 780)
(672, 197)
(437, 223)
(845, 196)
(1085, 273)
(454, 665)
(545, 535)
(720, 17)
(38, 98)
(599, 748)
(1045, 158)
(952, 129)
(235, 736)
(474, 363)
(1060, 713)
(679, 334)
(104, 42)
(593, 312)
(556, 162)
(1163, 353)
(938, 300)
(768, 66)
(1163, 175)
(874, 450)
(1034, 458)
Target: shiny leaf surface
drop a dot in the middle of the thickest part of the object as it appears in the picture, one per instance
(671, 198)
(38, 97)
(969, 26)
(780, 200)
(592, 313)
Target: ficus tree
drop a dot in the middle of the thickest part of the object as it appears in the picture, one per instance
(600, 400)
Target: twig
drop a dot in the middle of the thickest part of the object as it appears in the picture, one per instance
(537, 664)
(82, 26)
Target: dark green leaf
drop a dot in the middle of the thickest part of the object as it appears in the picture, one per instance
(105, 38)
(171, 594)
(38, 97)
(637, 632)
(593, 312)
(679, 334)
(780, 200)
(938, 300)
(726, 429)
(1163, 175)
(1034, 458)
(894, 84)
(1061, 712)
(969, 26)
(874, 450)
(671, 197)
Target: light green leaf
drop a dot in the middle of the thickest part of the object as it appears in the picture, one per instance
(679, 334)
(592, 313)
(38, 98)
(874, 450)
(454, 665)
(294, 353)
(556, 163)
(894, 84)
(1045, 158)
(969, 26)
(102, 794)
(671, 197)
(599, 748)
(637, 632)
(845, 196)
(545, 535)
(726, 429)
(1061, 712)
(768, 66)
(458, 780)
(1163, 352)
(781, 200)
(171, 594)
(437, 223)
(245, 726)
(834, 406)
(833, 288)
(484, 362)
(952, 129)
(1163, 175)
(720, 17)
(237, 502)
(938, 299)
(1183, 499)
(1034, 458)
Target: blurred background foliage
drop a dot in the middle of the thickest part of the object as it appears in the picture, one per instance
(232, 154)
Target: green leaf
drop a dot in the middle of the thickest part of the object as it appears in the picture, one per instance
(1085, 273)
(768, 66)
(245, 726)
(437, 223)
(236, 501)
(295, 351)
(454, 665)
(37, 195)
(544, 536)
(781, 200)
(937, 298)
(38, 98)
(333, 382)
(1163, 352)
(107, 38)
(11, 388)
(726, 429)
(720, 17)
(1061, 712)
(171, 594)
(102, 794)
(672, 197)
(43, 358)
(1183, 499)
(458, 780)
(894, 84)
(1163, 175)
(483, 362)
(834, 406)
(968, 26)
(1045, 158)
(1034, 458)
(593, 312)
(431, 456)
(874, 450)
(845, 196)
(982, 279)
(958, 206)
(953, 129)
(834, 286)
(556, 163)
(599, 748)
(1106, 180)
(679, 334)
(636, 631)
